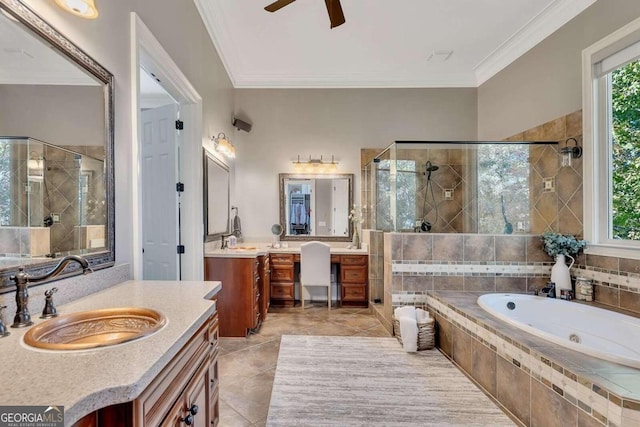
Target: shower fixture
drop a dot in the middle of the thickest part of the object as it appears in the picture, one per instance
(425, 225)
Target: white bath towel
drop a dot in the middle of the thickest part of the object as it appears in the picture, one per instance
(422, 315)
(409, 333)
(405, 311)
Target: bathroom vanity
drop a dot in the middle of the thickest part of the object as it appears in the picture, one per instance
(255, 278)
(153, 380)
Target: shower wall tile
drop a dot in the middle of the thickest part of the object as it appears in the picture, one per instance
(511, 284)
(447, 247)
(510, 248)
(416, 246)
(574, 124)
(448, 283)
(480, 284)
(479, 248)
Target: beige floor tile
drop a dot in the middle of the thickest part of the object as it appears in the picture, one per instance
(230, 418)
(251, 396)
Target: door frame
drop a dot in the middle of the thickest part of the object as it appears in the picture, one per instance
(147, 52)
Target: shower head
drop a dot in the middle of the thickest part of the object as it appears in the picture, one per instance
(431, 167)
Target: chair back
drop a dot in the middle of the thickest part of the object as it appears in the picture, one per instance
(315, 264)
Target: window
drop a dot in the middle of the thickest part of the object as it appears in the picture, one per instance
(611, 108)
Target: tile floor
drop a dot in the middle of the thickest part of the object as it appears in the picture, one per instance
(247, 365)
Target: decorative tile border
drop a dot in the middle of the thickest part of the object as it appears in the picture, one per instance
(468, 269)
(613, 279)
(608, 408)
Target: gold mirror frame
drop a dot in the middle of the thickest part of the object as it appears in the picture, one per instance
(39, 27)
(283, 198)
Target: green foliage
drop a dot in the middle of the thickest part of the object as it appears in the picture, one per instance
(625, 100)
(562, 244)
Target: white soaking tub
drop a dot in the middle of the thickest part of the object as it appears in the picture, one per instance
(597, 332)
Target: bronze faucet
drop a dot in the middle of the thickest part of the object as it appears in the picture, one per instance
(22, 280)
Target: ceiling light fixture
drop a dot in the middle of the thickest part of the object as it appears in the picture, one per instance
(315, 165)
(82, 8)
(224, 146)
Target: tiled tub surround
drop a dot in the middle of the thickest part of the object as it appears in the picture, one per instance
(538, 382)
(416, 263)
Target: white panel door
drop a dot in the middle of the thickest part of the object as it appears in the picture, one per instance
(341, 207)
(159, 196)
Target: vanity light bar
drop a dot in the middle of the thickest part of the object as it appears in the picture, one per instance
(315, 165)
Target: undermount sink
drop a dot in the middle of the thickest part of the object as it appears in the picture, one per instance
(95, 328)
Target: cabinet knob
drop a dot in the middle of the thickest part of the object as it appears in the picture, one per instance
(188, 420)
(194, 409)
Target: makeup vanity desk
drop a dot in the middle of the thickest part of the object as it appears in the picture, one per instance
(254, 277)
(352, 273)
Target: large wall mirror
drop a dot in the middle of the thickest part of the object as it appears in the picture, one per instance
(56, 149)
(216, 197)
(316, 207)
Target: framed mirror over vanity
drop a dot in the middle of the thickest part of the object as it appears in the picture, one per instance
(316, 206)
(56, 149)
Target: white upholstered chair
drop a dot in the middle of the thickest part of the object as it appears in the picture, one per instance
(315, 267)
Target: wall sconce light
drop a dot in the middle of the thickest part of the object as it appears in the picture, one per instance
(82, 8)
(224, 146)
(315, 165)
(568, 152)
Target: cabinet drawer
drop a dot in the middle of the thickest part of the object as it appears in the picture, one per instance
(354, 293)
(353, 260)
(281, 291)
(279, 274)
(353, 274)
(281, 259)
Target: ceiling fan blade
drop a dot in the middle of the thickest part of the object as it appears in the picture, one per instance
(335, 12)
(277, 5)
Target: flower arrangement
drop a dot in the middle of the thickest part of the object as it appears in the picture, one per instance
(562, 244)
(355, 215)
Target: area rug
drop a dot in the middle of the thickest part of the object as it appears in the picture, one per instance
(360, 381)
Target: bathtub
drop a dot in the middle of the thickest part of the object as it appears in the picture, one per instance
(600, 333)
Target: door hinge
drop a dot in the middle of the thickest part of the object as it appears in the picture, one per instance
(180, 249)
(179, 187)
(179, 124)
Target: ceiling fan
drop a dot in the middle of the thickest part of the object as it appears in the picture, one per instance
(333, 8)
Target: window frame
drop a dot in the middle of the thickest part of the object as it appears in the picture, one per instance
(597, 163)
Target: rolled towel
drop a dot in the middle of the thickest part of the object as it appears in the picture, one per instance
(405, 311)
(422, 315)
(409, 333)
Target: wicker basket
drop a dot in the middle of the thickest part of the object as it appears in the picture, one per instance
(426, 333)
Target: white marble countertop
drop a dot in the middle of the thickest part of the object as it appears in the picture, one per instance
(252, 251)
(86, 380)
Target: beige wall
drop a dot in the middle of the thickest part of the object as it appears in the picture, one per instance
(545, 83)
(178, 27)
(333, 121)
(60, 115)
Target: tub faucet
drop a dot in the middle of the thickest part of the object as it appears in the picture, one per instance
(549, 291)
(22, 280)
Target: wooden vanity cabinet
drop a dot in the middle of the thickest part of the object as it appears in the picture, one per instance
(264, 272)
(190, 378)
(354, 279)
(239, 299)
(282, 280)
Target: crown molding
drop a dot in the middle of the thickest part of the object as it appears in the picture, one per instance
(537, 29)
(220, 35)
(360, 81)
